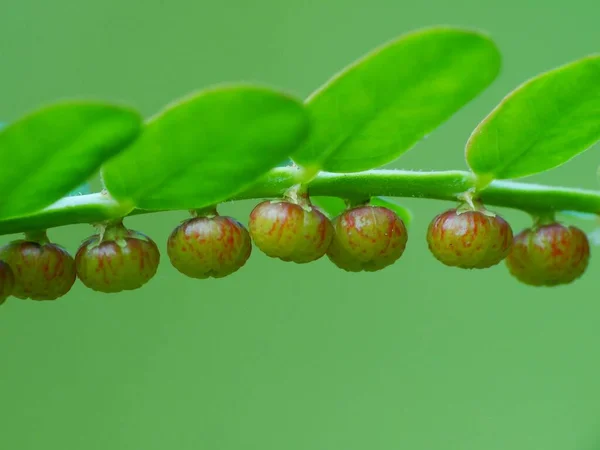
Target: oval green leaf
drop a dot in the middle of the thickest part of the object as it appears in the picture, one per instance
(382, 105)
(51, 151)
(206, 148)
(540, 125)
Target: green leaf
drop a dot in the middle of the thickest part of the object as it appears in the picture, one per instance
(49, 152)
(540, 125)
(588, 217)
(331, 206)
(382, 105)
(334, 206)
(208, 147)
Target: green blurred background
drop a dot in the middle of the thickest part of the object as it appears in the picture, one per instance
(284, 357)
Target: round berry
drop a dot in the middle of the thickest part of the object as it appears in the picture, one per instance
(469, 239)
(549, 255)
(117, 260)
(204, 247)
(7, 281)
(290, 232)
(367, 238)
(42, 270)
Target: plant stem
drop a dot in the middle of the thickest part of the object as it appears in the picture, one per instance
(445, 185)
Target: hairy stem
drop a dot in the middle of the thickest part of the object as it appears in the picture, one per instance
(445, 185)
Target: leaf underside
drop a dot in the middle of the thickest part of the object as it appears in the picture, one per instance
(51, 151)
(208, 147)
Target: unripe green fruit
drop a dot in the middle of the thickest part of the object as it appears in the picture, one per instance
(469, 239)
(42, 270)
(204, 247)
(367, 238)
(549, 255)
(7, 281)
(290, 232)
(120, 260)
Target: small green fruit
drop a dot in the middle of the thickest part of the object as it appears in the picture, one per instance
(204, 247)
(118, 260)
(42, 270)
(290, 232)
(469, 239)
(7, 281)
(549, 255)
(367, 238)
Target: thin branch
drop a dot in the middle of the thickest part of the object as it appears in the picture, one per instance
(444, 185)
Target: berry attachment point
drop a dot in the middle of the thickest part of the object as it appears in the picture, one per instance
(117, 260)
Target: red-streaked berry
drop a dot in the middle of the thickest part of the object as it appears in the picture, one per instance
(290, 232)
(118, 259)
(469, 239)
(367, 238)
(7, 281)
(42, 270)
(205, 247)
(549, 255)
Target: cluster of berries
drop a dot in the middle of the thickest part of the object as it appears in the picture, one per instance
(363, 238)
